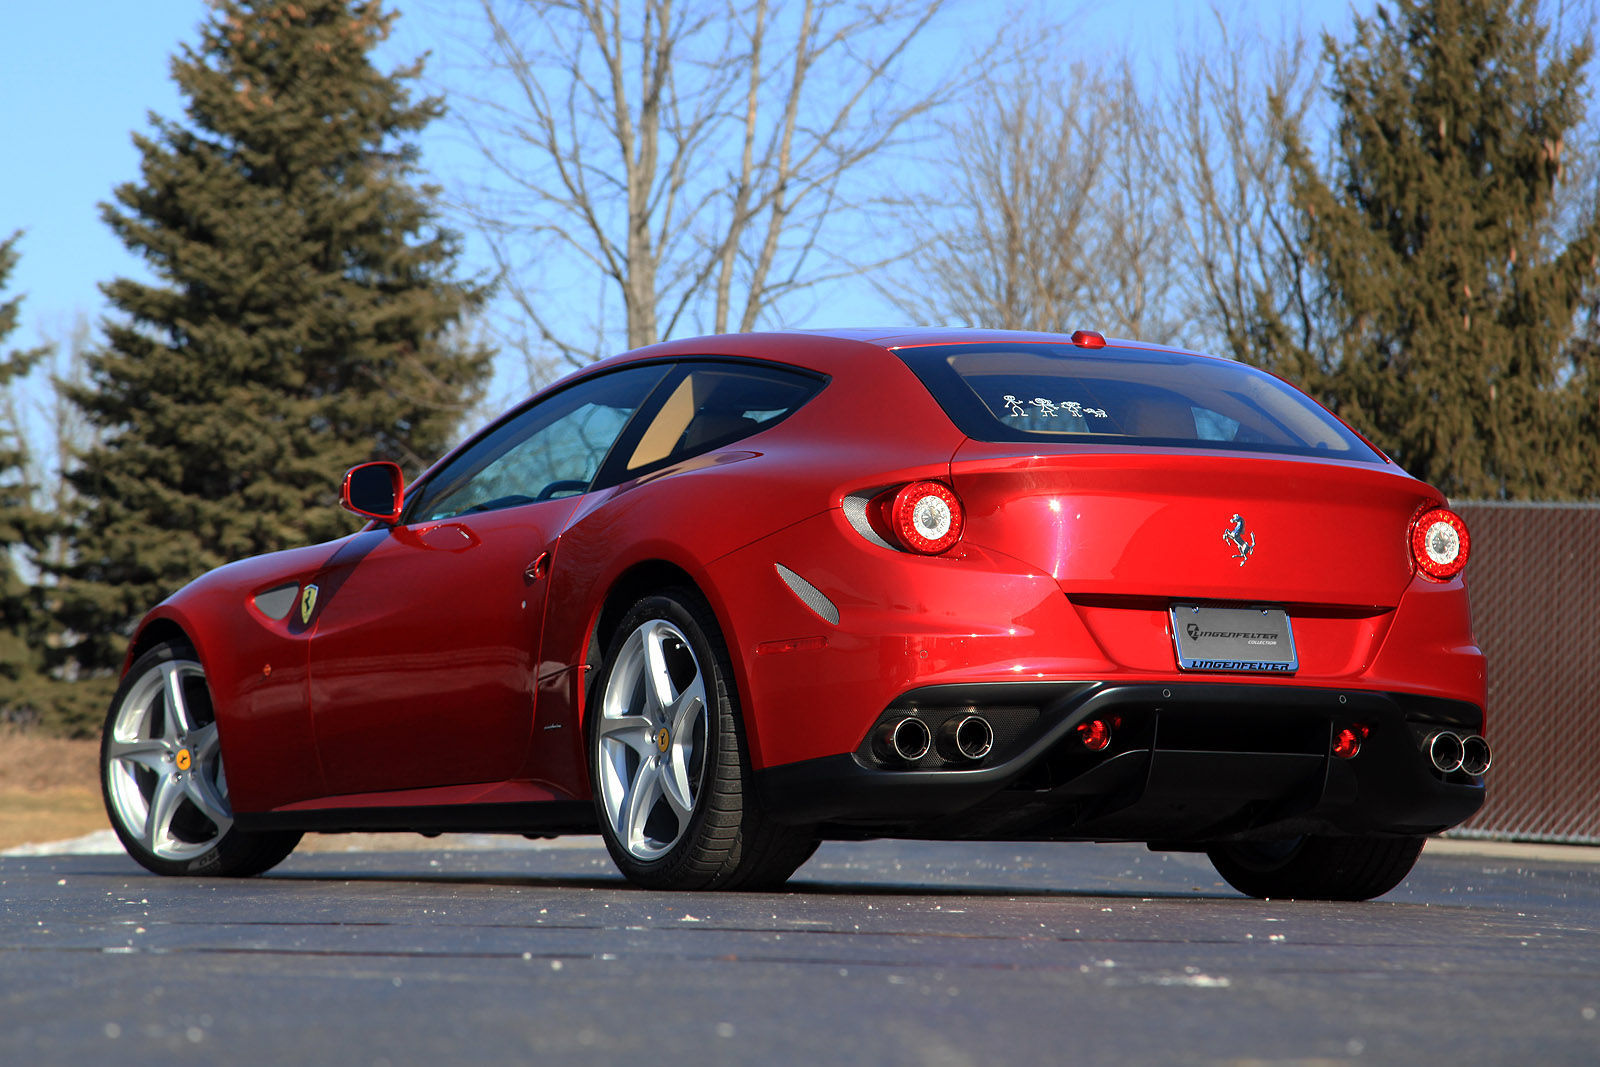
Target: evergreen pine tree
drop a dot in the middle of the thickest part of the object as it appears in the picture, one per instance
(20, 522)
(302, 321)
(1450, 303)
(1581, 454)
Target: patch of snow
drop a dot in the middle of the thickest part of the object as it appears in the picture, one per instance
(1193, 981)
(99, 843)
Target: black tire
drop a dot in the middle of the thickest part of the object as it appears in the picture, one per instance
(155, 762)
(720, 838)
(1317, 868)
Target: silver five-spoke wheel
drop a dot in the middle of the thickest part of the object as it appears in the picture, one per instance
(164, 774)
(652, 739)
(668, 758)
(161, 769)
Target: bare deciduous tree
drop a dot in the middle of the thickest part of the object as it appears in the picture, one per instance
(1137, 283)
(67, 433)
(53, 433)
(1056, 217)
(1002, 249)
(1223, 159)
(1092, 200)
(683, 163)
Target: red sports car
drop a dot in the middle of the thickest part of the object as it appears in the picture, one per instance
(723, 598)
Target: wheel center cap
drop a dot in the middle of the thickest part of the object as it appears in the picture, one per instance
(183, 759)
(663, 739)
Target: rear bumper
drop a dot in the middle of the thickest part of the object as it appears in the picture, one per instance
(811, 686)
(1187, 764)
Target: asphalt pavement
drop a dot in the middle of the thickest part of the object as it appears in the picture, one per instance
(879, 953)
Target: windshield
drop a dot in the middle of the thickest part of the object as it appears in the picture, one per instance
(1125, 396)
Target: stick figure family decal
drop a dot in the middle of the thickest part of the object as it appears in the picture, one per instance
(1050, 408)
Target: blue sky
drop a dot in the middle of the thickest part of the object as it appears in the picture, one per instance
(78, 79)
(75, 81)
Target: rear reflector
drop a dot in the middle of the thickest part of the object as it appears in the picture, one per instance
(1347, 742)
(791, 644)
(1095, 734)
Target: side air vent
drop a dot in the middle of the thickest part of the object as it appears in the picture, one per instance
(275, 603)
(809, 594)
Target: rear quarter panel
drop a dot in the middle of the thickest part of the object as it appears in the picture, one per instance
(873, 424)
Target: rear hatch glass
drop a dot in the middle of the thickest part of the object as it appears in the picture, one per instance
(1125, 396)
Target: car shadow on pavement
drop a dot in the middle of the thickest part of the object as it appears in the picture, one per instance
(800, 886)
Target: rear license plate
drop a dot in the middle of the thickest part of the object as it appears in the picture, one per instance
(1233, 639)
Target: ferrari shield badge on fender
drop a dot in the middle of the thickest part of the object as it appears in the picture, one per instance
(1235, 537)
(308, 603)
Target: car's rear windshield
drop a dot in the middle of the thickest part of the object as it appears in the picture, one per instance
(1125, 396)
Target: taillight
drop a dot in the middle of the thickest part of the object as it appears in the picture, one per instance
(1088, 338)
(926, 517)
(1439, 544)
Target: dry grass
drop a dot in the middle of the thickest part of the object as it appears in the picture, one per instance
(31, 761)
(49, 788)
(28, 818)
(50, 791)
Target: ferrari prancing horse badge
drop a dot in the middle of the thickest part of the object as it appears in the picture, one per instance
(1235, 536)
(308, 603)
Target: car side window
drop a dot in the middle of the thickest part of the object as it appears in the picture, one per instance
(551, 450)
(716, 404)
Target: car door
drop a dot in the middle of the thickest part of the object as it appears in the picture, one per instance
(422, 660)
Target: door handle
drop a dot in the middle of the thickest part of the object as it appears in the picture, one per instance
(538, 568)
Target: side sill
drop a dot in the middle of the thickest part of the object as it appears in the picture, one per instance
(546, 818)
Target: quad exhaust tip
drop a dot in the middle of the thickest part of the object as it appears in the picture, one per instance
(961, 739)
(1450, 752)
(904, 740)
(1445, 751)
(965, 738)
(1475, 755)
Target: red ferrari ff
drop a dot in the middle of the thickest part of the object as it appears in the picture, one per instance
(723, 598)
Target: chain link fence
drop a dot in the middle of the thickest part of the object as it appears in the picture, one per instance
(1534, 580)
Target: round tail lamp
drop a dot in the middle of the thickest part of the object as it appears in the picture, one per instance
(1439, 544)
(926, 517)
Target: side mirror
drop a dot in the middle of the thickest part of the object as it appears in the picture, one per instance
(374, 490)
